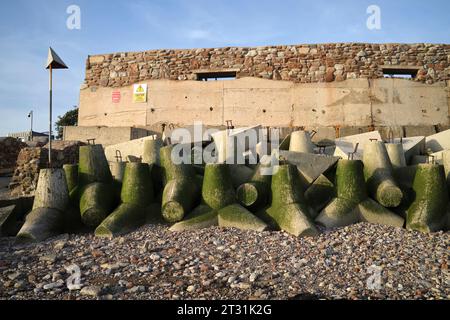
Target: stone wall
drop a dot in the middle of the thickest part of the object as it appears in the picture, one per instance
(31, 160)
(9, 150)
(297, 63)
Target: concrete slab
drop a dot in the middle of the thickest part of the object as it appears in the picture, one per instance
(129, 148)
(310, 165)
(412, 146)
(439, 141)
(418, 159)
(346, 145)
(223, 138)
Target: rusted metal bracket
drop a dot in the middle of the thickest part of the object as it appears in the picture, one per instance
(91, 141)
(351, 154)
(118, 156)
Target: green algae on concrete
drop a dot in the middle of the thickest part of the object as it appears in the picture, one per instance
(200, 218)
(217, 190)
(428, 211)
(339, 212)
(320, 193)
(96, 203)
(137, 187)
(236, 216)
(40, 224)
(71, 172)
(256, 193)
(151, 151)
(293, 218)
(239, 174)
(93, 166)
(352, 204)
(378, 175)
(170, 170)
(350, 182)
(370, 211)
(286, 186)
(179, 197)
(124, 219)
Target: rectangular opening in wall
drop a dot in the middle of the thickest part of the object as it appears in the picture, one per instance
(216, 76)
(400, 72)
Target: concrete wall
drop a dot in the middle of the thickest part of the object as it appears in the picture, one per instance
(103, 135)
(248, 101)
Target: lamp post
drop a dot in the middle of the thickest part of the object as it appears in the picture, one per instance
(53, 62)
(30, 115)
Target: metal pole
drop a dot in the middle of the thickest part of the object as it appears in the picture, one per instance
(31, 127)
(50, 123)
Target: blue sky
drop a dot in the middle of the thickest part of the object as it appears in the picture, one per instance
(27, 28)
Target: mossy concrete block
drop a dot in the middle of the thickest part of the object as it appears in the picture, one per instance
(396, 154)
(217, 191)
(446, 163)
(236, 216)
(71, 172)
(320, 193)
(339, 213)
(41, 224)
(310, 165)
(51, 190)
(428, 211)
(151, 151)
(171, 170)
(137, 186)
(405, 176)
(93, 166)
(301, 142)
(371, 211)
(96, 203)
(203, 218)
(378, 175)
(256, 193)
(179, 197)
(293, 218)
(350, 184)
(286, 186)
(239, 174)
(126, 218)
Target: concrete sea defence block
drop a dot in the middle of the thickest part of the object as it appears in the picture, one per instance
(412, 146)
(51, 190)
(396, 154)
(123, 219)
(428, 211)
(346, 145)
(93, 166)
(217, 190)
(301, 142)
(200, 218)
(320, 193)
(71, 172)
(236, 216)
(96, 203)
(378, 175)
(40, 224)
(439, 141)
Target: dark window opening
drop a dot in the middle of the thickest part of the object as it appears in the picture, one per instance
(407, 73)
(216, 76)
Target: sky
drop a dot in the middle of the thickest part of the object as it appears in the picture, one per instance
(29, 27)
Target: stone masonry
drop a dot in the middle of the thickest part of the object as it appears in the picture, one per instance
(297, 63)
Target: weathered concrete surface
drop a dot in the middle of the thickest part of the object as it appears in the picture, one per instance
(396, 154)
(129, 148)
(412, 146)
(104, 135)
(301, 142)
(439, 141)
(346, 145)
(246, 101)
(310, 165)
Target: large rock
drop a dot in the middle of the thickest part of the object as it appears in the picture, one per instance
(236, 216)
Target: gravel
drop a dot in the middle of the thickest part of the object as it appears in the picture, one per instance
(216, 263)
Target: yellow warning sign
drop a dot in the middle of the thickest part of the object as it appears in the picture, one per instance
(140, 93)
